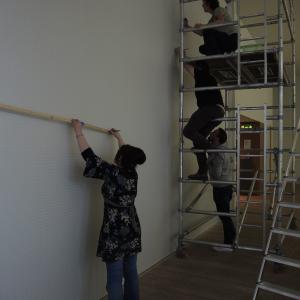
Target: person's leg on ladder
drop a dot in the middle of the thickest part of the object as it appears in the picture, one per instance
(197, 129)
(131, 284)
(114, 285)
(193, 129)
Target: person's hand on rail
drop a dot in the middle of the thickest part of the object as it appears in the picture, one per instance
(81, 140)
(77, 126)
(116, 133)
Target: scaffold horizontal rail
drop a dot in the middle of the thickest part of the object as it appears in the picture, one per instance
(207, 58)
(271, 20)
(286, 194)
(251, 171)
(209, 26)
(253, 39)
(273, 118)
(251, 155)
(209, 150)
(188, 1)
(250, 202)
(260, 61)
(251, 179)
(245, 54)
(186, 180)
(234, 87)
(261, 130)
(272, 184)
(252, 16)
(193, 241)
(210, 213)
(242, 108)
(225, 119)
(252, 226)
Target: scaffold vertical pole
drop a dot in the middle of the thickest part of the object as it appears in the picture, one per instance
(292, 11)
(180, 236)
(264, 202)
(238, 170)
(265, 43)
(239, 44)
(280, 104)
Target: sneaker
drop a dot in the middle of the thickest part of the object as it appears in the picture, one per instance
(222, 249)
(198, 176)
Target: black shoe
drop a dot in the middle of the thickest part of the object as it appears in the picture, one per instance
(198, 176)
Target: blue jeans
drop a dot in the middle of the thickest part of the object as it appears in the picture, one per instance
(124, 268)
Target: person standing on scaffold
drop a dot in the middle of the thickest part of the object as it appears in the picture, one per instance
(217, 40)
(220, 169)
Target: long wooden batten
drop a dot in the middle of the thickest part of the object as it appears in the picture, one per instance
(46, 116)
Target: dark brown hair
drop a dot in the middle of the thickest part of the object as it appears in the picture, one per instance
(129, 157)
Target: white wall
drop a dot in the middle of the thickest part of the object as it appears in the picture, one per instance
(254, 97)
(107, 62)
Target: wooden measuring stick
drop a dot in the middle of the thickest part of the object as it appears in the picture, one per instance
(45, 116)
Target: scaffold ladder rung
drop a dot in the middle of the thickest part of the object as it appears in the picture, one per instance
(292, 179)
(295, 154)
(279, 290)
(289, 205)
(286, 232)
(283, 260)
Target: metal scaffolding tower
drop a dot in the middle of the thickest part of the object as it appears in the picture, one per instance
(263, 66)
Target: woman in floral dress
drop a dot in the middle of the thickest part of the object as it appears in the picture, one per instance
(120, 236)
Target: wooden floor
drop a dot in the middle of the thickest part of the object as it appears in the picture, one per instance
(209, 275)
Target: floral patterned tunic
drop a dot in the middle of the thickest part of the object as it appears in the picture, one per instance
(121, 232)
